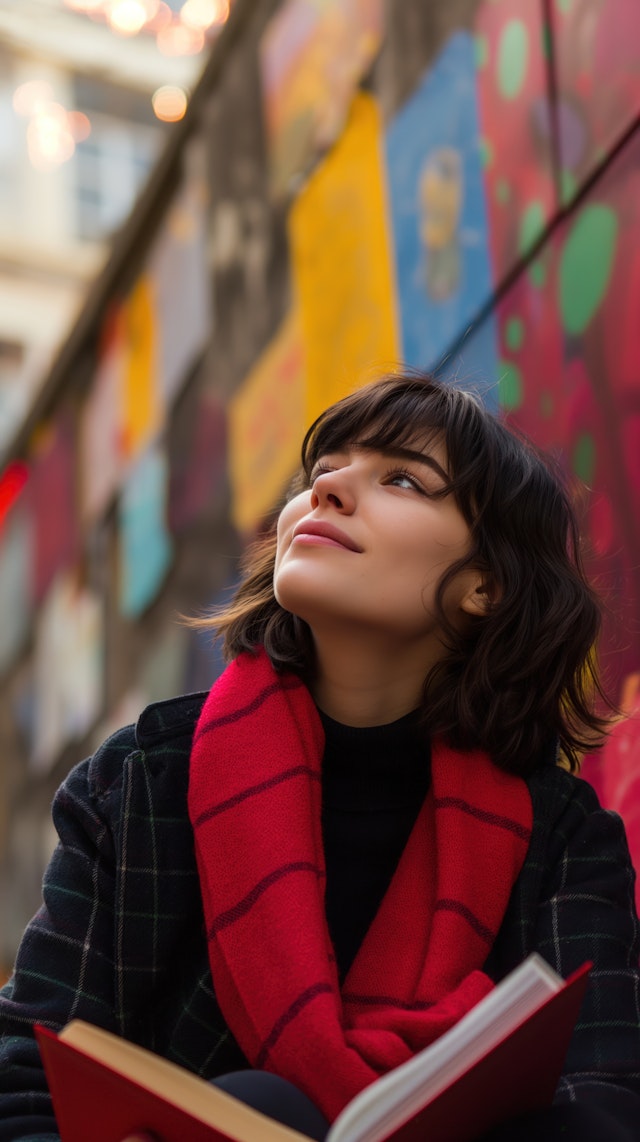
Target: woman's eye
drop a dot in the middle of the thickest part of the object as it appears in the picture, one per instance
(404, 480)
(318, 470)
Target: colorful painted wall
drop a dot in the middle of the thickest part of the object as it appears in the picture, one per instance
(456, 186)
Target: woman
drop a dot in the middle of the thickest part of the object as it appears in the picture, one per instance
(381, 828)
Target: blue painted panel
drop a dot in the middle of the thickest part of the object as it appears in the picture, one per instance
(437, 205)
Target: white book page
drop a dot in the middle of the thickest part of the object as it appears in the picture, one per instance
(409, 1087)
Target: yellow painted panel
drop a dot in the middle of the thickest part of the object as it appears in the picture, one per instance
(141, 401)
(342, 264)
(266, 425)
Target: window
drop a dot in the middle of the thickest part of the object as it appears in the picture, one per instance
(111, 166)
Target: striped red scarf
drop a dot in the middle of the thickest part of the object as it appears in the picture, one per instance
(255, 803)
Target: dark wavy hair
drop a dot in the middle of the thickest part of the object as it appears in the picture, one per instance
(522, 675)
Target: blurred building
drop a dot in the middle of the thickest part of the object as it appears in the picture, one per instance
(78, 137)
(355, 183)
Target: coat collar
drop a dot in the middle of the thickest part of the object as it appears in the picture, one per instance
(173, 717)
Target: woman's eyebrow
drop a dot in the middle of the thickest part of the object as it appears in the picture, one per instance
(400, 453)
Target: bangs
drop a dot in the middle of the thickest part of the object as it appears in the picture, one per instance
(387, 415)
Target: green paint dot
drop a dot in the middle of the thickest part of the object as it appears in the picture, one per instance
(567, 186)
(584, 458)
(513, 54)
(503, 191)
(481, 52)
(486, 152)
(585, 266)
(546, 405)
(514, 334)
(564, 6)
(547, 35)
(531, 226)
(538, 273)
(510, 386)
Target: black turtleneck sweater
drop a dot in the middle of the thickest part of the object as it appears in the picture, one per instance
(374, 781)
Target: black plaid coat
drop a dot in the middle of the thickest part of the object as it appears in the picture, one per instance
(119, 940)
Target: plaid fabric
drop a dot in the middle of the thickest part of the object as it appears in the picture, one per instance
(120, 940)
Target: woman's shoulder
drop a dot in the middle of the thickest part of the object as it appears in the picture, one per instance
(552, 785)
(173, 719)
(567, 814)
(158, 743)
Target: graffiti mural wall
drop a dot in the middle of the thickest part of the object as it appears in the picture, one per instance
(451, 185)
(516, 123)
(564, 209)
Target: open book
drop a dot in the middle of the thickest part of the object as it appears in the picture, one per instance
(502, 1059)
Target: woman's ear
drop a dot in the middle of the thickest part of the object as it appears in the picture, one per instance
(479, 595)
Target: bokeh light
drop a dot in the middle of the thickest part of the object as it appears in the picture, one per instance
(79, 125)
(50, 141)
(178, 40)
(32, 97)
(176, 34)
(127, 17)
(169, 103)
(161, 19)
(52, 132)
(85, 5)
(203, 14)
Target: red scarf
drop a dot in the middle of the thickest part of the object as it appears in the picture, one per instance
(254, 802)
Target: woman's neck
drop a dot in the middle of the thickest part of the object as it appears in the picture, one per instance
(367, 684)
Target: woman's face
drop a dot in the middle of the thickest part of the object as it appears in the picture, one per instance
(368, 544)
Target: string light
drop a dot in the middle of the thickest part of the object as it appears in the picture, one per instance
(178, 40)
(203, 14)
(162, 18)
(31, 97)
(50, 141)
(128, 17)
(169, 103)
(175, 35)
(85, 5)
(52, 132)
(79, 125)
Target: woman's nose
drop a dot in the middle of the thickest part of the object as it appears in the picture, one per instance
(333, 488)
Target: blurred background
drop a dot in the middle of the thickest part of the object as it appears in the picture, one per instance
(216, 219)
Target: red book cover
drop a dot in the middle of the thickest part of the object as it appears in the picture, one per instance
(105, 1089)
(519, 1075)
(94, 1102)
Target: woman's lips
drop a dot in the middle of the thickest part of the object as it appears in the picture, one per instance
(318, 532)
